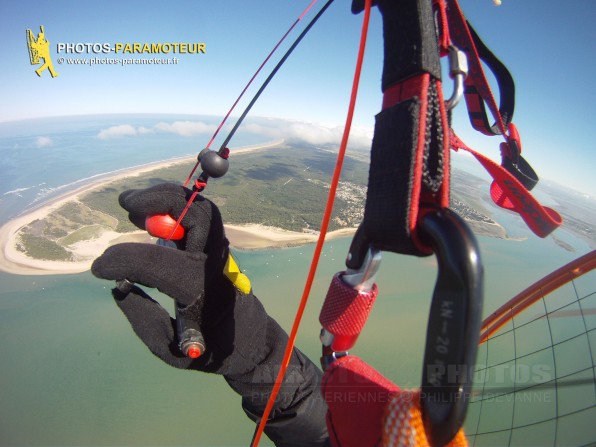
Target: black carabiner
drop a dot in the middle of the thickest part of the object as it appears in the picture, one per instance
(453, 324)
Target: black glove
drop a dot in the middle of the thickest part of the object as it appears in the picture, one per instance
(243, 343)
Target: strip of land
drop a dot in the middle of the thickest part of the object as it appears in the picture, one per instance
(14, 261)
(65, 234)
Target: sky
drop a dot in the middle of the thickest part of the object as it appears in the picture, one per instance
(547, 45)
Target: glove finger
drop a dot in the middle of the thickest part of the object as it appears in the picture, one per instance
(202, 221)
(179, 274)
(159, 199)
(153, 325)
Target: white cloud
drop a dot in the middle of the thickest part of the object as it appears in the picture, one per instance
(144, 130)
(315, 134)
(117, 132)
(43, 141)
(292, 131)
(182, 128)
(186, 128)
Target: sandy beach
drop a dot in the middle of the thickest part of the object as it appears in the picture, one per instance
(254, 236)
(248, 237)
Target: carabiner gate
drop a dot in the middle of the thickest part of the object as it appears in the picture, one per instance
(453, 324)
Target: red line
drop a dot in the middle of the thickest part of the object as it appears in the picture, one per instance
(324, 226)
(184, 211)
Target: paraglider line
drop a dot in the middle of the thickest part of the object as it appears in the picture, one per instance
(324, 225)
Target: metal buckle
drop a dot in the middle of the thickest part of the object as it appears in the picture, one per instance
(453, 324)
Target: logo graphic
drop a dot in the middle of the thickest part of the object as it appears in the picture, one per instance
(40, 49)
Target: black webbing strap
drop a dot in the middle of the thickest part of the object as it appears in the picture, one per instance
(409, 168)
(478, 94)
(505, 83)
(410, 39)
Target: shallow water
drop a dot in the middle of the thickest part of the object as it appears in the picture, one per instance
(73, 373)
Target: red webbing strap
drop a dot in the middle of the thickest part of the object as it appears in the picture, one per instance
(477, 87)
(345, 311)
(440, 8)
(507, 192)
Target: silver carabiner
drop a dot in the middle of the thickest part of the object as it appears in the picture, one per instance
(458, 71)
(363, 278)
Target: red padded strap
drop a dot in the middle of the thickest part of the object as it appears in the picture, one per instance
(356, 395)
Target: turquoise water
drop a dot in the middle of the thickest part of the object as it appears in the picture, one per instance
(73, 373)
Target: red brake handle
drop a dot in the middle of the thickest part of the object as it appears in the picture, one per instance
(164, 226)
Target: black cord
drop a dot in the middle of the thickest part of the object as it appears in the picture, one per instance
(271, 75)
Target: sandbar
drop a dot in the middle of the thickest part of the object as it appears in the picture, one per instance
(245, 237)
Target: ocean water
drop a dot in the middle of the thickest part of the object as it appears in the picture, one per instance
(73, 373)
(42, 158)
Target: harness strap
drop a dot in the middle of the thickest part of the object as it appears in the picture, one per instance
(444, 39)
(509, 193)
(477, 91)
(409, 168)
(367, 409)
(356, 395)
(515, 177)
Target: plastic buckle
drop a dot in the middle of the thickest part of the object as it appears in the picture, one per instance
(514, 163)
(453, 324)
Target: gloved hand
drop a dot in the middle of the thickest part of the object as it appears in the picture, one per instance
(242, 342)
(188, 275)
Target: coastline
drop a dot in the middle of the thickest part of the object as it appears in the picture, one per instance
(16, 262)
(243, 237)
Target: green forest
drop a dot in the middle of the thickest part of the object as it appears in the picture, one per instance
(284, 187)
